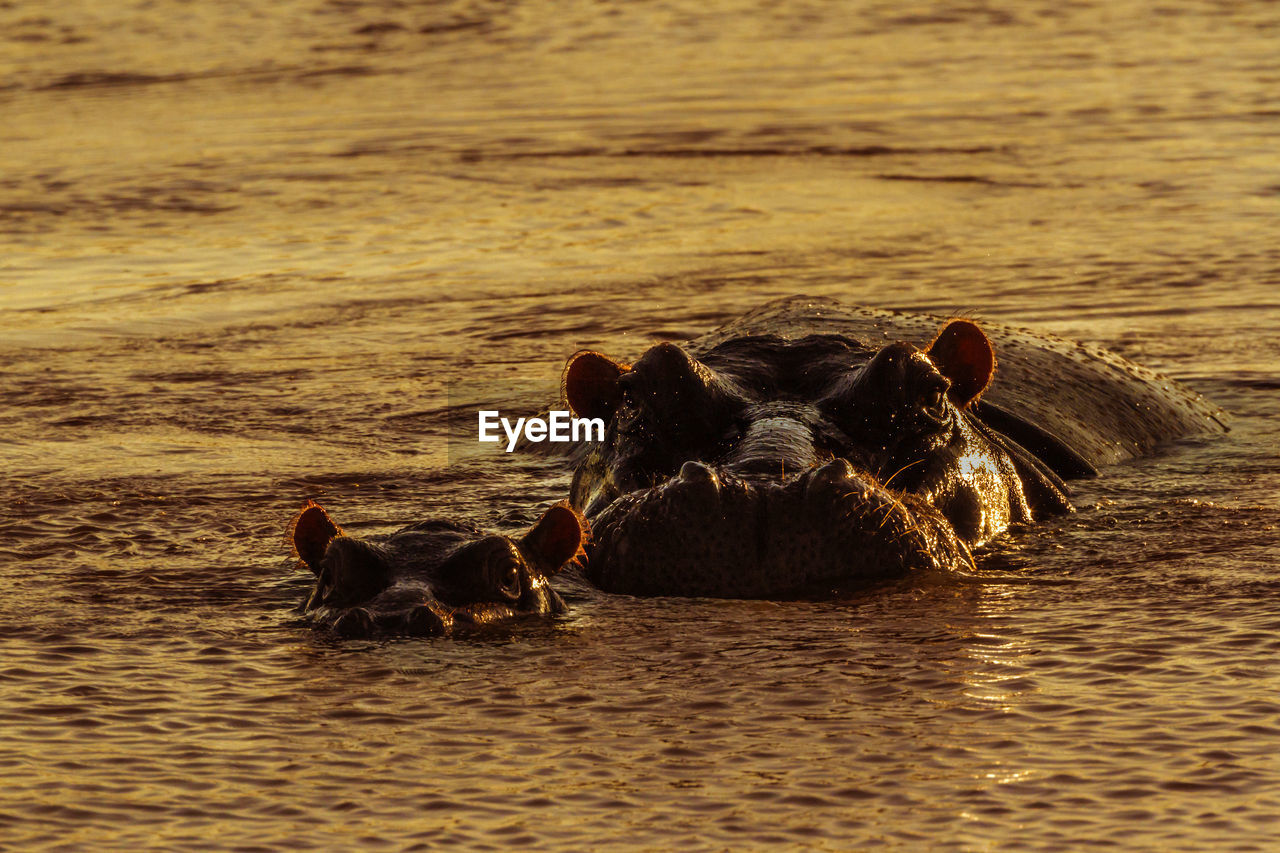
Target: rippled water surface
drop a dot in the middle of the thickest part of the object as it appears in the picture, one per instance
(251, 252)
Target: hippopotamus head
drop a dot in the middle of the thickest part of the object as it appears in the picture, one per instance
(772, 467)
(435, 576)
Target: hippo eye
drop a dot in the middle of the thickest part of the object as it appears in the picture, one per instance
(510, 585)
(504, 577)
(322, 590)
(628, 396)
(630, 418)
(934, 399)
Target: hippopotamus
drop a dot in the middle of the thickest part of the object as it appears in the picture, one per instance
(806, 449)
(434, 577)
(809, 448)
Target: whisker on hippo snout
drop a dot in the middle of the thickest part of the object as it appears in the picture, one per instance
(425, 622)
(900, 470)
(888, 513)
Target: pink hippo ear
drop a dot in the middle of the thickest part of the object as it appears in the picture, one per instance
(590, 384)
(962, 353)
(312, 532)
(556, 539)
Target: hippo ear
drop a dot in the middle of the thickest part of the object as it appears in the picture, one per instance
(556, 539)
(962, 353)
(312, 532)
(590, 384)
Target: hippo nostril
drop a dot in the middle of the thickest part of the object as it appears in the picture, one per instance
(699, 486)
(696, 472)
(356, 622)
(422, 621)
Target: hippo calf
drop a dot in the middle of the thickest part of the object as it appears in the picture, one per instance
(434, 577)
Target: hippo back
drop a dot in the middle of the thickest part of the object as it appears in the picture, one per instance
(1102, 407)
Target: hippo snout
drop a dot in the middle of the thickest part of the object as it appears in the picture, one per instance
(709, 531)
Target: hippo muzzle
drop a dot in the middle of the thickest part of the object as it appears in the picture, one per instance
(718, 533)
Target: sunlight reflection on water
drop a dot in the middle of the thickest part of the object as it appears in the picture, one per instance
(255, 256)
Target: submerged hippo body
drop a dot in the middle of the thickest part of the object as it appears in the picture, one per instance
(808, 447)
(433, 577)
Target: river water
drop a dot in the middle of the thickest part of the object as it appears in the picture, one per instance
(252, 253)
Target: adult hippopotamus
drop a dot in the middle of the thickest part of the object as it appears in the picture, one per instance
(433, 577)
(809, 447)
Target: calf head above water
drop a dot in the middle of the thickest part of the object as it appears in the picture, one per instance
(435, 576)
(772, 467)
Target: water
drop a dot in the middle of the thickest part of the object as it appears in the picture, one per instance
(250, 251)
